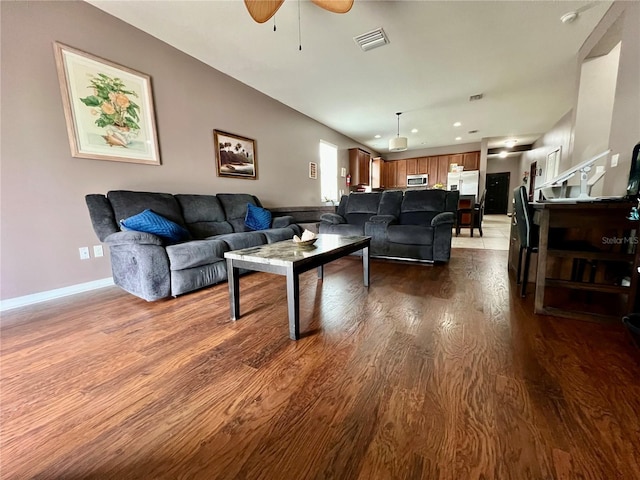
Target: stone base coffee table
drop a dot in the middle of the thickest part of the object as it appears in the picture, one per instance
(286, 258)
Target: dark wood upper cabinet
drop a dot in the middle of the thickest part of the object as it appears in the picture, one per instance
(471, 160)
(394, 172)
(359, 164)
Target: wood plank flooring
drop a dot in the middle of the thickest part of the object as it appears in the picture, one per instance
(434, 372)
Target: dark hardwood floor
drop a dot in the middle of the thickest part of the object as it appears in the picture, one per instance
(432, 373)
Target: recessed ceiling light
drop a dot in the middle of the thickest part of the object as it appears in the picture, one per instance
(457, 124)
(458, 138)
(510, 143)
(503, 154)
(377, 136)
(414, 130)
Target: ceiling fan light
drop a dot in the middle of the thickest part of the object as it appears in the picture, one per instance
(398, 144)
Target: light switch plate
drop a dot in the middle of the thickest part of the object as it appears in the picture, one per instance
(614, 160)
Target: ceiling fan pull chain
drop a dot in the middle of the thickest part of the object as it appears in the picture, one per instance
(299, 29)
(274, 23)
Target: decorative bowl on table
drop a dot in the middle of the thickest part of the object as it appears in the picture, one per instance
(306, 240)
(305, 243)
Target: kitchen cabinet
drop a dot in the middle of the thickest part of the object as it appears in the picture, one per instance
(423, 166)
(471, 161)
(359, 166)
(412, 166)
(390, 177)
(401, 173)
(377, 173)
(456, 158)
(443, 169)
(394, 173)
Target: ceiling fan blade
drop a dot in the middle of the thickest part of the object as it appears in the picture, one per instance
(262, 10)
(335, 6)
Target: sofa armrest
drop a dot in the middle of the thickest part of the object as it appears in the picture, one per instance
(443, 218)
(388, 219)
(132, 237)
(281, 222)
(333, 218)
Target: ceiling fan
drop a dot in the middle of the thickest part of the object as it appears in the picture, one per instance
(263, 10)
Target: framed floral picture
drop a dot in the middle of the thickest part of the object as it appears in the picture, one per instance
(235, 156)
(108, 108)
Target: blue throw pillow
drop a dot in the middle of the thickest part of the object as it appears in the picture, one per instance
(150, 222)
(257, 218)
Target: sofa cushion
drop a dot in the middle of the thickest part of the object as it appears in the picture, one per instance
(203, 215)
(342, 229)
(363, 203)
(390, 203)
(420, 206)
(257, 218)
(279, 234)
(240, 240)
(196, 253)
(126, 204)
(361, 206)
(410, 234)
(102, 217)
(150, 222)
(235, 208)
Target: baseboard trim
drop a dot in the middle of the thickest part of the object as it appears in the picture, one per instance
(53, 294)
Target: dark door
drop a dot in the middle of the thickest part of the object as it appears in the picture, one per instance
(497, 198)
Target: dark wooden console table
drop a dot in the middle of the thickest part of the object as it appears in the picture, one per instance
(587, 260)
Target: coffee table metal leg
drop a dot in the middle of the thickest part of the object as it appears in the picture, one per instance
(233, 277)
(293, 304)
(365, 265)
(321, 272)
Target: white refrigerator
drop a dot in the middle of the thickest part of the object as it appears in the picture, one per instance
(466, 182)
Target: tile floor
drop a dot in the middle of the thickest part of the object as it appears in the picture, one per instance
(495, 229)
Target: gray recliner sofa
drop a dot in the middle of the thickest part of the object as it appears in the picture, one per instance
(151, 268)
(416, 224)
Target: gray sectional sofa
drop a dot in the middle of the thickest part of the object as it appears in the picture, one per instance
(416, 224)
(152, 268)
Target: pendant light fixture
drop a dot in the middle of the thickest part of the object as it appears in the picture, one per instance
(398, 144)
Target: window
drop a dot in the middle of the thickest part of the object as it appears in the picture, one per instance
(328, 171)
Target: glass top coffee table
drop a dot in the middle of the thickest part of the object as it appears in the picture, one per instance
(286, 258)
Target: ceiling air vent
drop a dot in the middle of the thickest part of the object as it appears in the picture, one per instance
(473, 98)
(373, 39)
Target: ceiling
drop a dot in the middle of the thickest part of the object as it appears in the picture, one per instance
(518, 54)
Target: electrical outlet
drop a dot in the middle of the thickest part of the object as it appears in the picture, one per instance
(97, 251)
(84, 253)
(614, 160)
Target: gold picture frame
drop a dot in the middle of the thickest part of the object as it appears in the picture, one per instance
(108, 108)
(235, 156)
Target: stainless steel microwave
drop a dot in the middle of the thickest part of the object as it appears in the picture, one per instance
(421, 180)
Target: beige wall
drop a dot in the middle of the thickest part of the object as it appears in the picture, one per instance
(559, 135)
(620, 22)
(44, 218)
(625, 117)
(595, 105)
